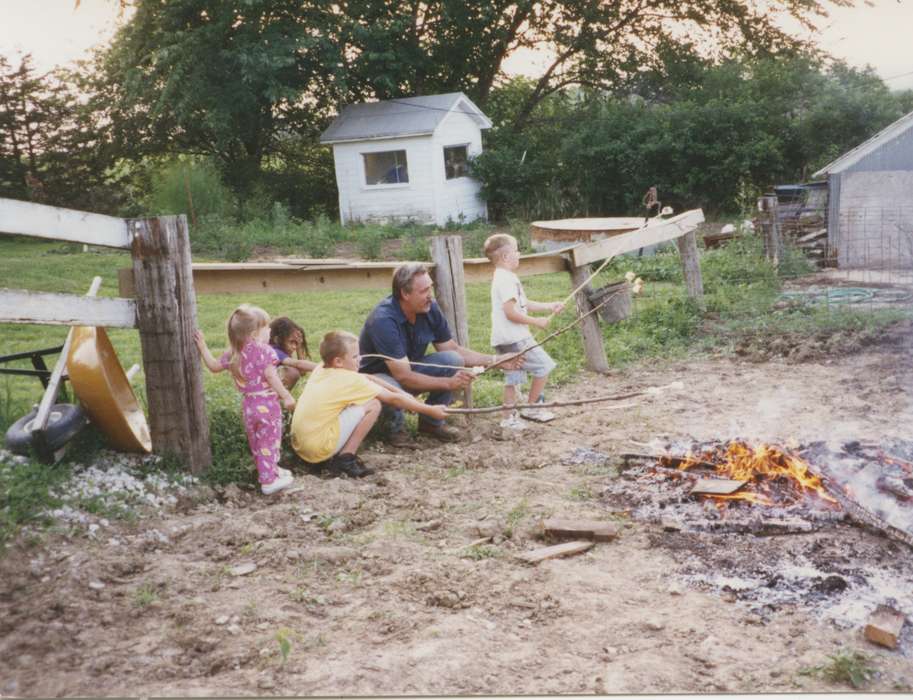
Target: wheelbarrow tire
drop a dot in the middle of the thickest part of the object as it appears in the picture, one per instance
(64, 422)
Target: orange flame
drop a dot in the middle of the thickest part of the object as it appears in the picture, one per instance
(772, 473)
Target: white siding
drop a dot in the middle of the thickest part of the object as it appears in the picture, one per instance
(361, 202)
(458, 198)
(875, 227)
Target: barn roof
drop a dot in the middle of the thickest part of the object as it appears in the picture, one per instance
(854, 155)
(408, 116)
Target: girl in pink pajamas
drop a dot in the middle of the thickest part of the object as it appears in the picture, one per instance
(252, 363)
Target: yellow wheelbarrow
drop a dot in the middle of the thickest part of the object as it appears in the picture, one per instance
(103, 389)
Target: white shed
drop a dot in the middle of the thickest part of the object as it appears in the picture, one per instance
(407, 159)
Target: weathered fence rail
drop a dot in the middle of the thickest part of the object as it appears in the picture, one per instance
(323, 275)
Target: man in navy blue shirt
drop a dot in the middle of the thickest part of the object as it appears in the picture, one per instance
(401, 327)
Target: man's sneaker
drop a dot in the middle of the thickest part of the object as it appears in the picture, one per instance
(540, 415)
(348, 464)
(283, 481)
(401, 439)
(513, 422)
(442, 432)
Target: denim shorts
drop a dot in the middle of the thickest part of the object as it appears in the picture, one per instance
(536, 362)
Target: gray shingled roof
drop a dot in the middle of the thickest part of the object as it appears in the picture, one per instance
(408, 116)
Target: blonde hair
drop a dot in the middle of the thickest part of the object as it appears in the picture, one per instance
(335, 344)
(242, 324)
(494, 244)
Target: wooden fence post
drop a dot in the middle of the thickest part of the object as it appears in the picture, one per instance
(593, 348)
(691, 266)
(771, 228)
(166, 314)
(450, 289)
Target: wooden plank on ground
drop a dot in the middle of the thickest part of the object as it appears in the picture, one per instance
(717, 487)
(884, 626)
(23, 306)
(597, 530)
(559, 550)
(313, 276)
(30, 219)
(667, 230)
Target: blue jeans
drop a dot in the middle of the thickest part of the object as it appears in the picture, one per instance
(441, 397)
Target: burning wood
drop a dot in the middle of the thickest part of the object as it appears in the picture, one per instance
(776, 476)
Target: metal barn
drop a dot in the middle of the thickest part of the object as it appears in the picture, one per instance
(870, 201)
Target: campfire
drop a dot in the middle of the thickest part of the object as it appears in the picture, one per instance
(772, 476)
(761, 488)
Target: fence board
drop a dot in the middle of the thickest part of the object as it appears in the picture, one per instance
(30, 219)
(313, 276)
(23, 306)
(626, 242)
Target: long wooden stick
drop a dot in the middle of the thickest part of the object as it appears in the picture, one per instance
(411, 362)
(552, 404)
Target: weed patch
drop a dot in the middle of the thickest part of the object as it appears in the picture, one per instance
(851, 668)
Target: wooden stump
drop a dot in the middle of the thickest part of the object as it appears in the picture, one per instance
(166, 314)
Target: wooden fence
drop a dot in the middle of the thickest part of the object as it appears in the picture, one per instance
(159, 296)
(163, 310)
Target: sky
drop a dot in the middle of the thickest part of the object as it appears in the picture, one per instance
(55, 33)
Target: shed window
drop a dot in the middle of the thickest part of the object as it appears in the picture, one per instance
(456, 162)
(386, 168)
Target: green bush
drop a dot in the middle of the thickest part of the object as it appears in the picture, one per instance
(189, 186)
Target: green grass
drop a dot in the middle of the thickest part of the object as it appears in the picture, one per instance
(741, 292)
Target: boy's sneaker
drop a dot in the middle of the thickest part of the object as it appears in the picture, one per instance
(283, 481)
(540, 415)
(348, 464)
(513, 422)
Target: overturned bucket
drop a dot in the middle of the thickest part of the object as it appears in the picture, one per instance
(617, 299)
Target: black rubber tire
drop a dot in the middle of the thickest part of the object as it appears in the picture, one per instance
(65, 421)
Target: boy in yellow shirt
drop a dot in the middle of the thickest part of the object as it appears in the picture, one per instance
(339, 406)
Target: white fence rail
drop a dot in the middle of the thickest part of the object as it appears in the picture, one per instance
(29, 219)
(23, 306)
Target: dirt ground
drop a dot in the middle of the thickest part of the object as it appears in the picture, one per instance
(368, 587)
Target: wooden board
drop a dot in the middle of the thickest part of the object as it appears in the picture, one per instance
(659, 232)
(717, 487)
(596, 530)
(42, 221)
(558, 550)
(23, 306)
(313, 276)
(884, 626)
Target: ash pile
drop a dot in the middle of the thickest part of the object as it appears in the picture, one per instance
(828, 528)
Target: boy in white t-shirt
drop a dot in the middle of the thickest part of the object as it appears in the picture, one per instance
(510, 322)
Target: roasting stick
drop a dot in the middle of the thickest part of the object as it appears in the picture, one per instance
(649, 391)
(411, 362)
